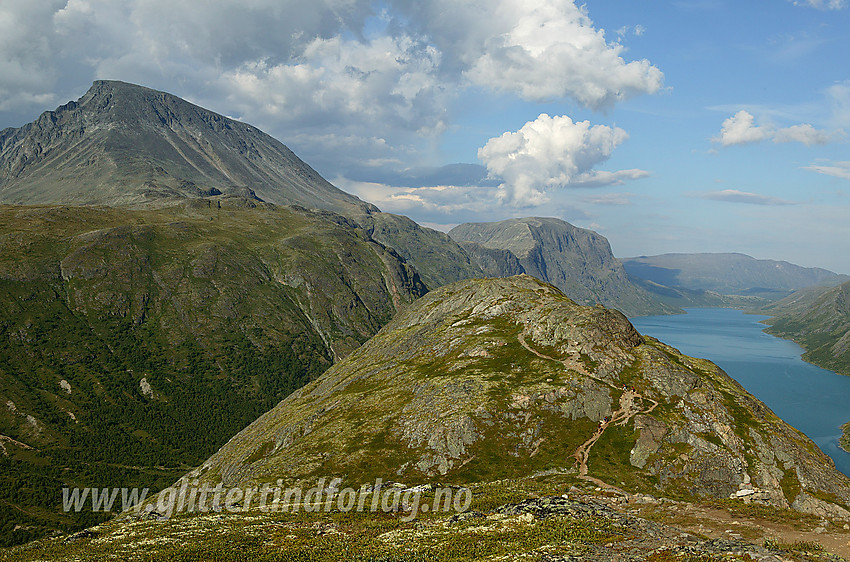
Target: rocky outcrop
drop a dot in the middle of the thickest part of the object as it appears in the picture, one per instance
(651, 437)
(494, 262)
(500, 378)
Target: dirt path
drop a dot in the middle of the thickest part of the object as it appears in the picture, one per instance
(716, 523)
(628, 409)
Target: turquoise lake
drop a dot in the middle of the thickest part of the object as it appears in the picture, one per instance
(814, 400)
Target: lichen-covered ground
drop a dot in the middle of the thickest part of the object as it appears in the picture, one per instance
(555, 517)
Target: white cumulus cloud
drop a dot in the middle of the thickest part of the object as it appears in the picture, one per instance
(545, 49)
(380, 77)
(552, 152)
(26, 66)
(742, 129)
(386, 89)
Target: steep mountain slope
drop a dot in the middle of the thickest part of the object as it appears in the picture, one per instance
(126, 145)
(494, 262)
(729, 274)
(501, 378)
(123, 144)
(819, 320)
(437, 258)
(134, 343)
(576, 260)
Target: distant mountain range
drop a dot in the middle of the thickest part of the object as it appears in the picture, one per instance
(576, 260)
(727, 274)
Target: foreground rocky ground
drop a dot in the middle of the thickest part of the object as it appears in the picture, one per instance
(552, 518)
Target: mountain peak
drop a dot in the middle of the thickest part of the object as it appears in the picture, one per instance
(125, 144)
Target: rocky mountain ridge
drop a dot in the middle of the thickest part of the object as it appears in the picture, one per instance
(122, 144)
(499, 378)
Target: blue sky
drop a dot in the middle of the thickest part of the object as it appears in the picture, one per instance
(702, 125)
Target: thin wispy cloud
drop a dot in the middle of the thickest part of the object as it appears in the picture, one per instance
(839, 100)
(736, 196)
(611, 199)
(835, 169)
(822, 4)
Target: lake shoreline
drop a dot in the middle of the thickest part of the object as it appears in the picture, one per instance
(772, 368)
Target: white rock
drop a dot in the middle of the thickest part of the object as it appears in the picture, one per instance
(145, 388)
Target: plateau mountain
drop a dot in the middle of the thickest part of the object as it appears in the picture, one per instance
(718, 279)
(576, 260)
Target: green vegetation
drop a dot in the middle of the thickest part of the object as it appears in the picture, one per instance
(796, 546)
(766, 512)
(341, 536)
(818, 320)
(133, 344)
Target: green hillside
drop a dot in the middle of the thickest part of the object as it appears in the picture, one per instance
(135, 343)
(484, 380)
(819, 320)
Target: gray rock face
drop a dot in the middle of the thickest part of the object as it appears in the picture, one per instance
(652, 433)
(494, 262)
(576, 260)
(122, 144)
(808, 504)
